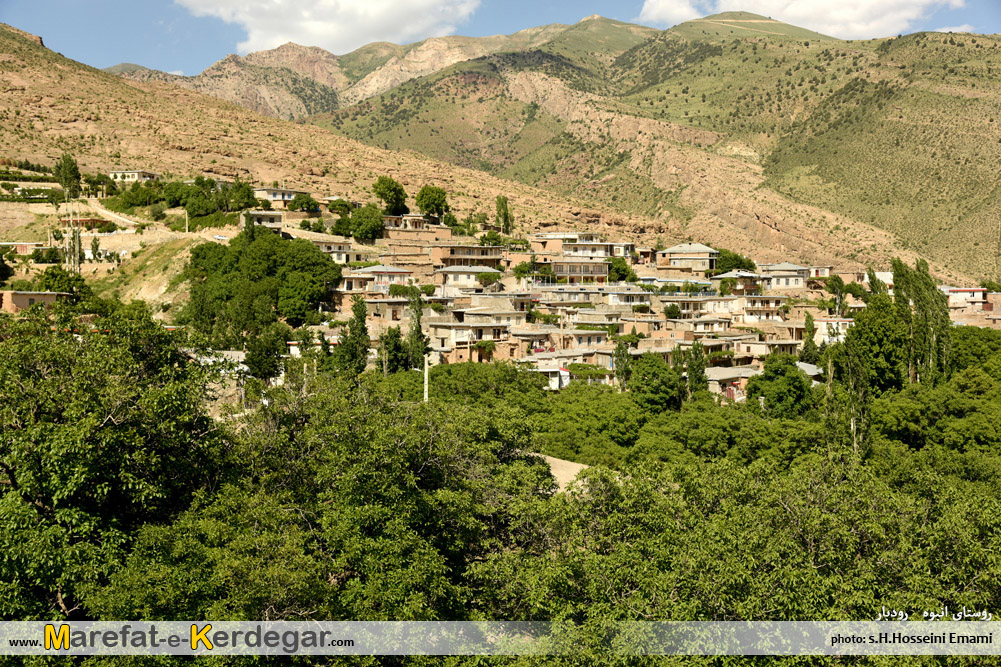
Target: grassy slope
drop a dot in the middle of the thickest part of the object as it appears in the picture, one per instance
(914, 155)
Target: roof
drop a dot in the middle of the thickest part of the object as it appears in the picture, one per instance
(381, 268)
(718, 373)
(784, 266)
(687, 247)
(736, 273)
(478, 268)
(809, 369)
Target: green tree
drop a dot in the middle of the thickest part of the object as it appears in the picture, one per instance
(653, 384)
(392, 194)
(503, 216)
(265, 351)
(810, 354)
(95, 249)
(58, 279)
(103, 432)
(366, 223)
(923, 310)
(672, 311)
(695, 370)
(783, 390)
(241, 196)
(620, 271)
(432, 200)
(352, 353)
(417, 342)
(732, 261)
(392, 351)
(491, 238)
(303, 202)
(623, 364)
(67, 173)
(340, 207)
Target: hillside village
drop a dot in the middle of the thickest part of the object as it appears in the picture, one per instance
(569, 305)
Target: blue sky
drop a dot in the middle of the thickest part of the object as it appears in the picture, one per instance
(189, 35)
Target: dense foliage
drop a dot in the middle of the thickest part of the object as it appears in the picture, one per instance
(240, 289)
(343, 496)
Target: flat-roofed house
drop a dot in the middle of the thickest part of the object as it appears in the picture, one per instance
(129, 176)
(744, 282)
(459, 254)
(15, 301)
(277, 195)
(786, 275)
(580, 270)
(465, 277)
(695, 257)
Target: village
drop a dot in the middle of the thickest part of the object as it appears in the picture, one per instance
(557, 303)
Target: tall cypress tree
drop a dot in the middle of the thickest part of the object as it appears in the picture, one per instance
(352, 353)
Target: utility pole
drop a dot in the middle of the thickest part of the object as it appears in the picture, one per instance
(185, 220)
(425, 378)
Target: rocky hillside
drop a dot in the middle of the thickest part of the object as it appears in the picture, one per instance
(294, 81)
(53, 105)
(734, 117)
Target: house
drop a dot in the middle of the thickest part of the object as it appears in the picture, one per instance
(132, 176)
(580, 270)
(731, 382)
(966, 298)
(695, 257)
(269, 219)
(831, 329)
(820, 271)
(758, 307)
(786, 275)
(599, 249)
(466, 277)
(14, 301)
(743, 282)
(339, 248)
(459, 254)
(277, 195)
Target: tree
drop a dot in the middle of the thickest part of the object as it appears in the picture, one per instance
(58, 279)
(303, 202)
(524, 269)
(340, 207)
(392, 351)
(265, 351)
(619, 271)
(392, 194)
(432, 200)
(68, 174)
(417, 342)
(732, 261)
(95, 249)
(106, 432)
(366, 223)
(623, 365)
(695, 367)
(491, 238)
(487, 279)
(672, 311)
(924, 311)
(810, 354)
(352, 353)
(653, 384)
(503, 216)
(836, 287)
(784, 388)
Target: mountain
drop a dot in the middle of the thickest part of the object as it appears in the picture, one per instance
(734, 117)
(590, 166)
(294, 81)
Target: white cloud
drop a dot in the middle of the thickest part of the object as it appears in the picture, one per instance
(176, 71)
(339, 26)
(966, 27)
(848, 19)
